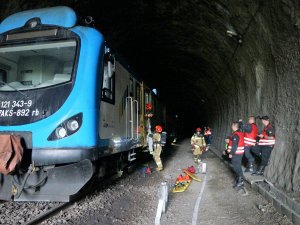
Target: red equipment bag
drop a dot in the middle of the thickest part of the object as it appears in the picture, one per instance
(191, 169)
(11, 153)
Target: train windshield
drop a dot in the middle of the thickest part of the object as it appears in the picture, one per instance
(36, 65)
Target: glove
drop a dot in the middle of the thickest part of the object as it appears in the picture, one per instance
(230, 156)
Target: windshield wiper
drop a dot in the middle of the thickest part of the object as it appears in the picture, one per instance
(4, 83)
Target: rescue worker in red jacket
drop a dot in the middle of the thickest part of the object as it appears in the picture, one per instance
(265, 145)
(236, 152)
(250, 134)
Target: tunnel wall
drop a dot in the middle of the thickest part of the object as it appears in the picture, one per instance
(265, 74)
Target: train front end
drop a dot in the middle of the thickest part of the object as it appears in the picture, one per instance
(49, 80)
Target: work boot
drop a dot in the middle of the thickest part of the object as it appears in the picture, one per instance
(234, 182)
(260, 171)
(159, 168)
(240, 182)
(250, 168)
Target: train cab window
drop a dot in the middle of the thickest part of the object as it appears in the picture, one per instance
(108, 86)
(37, 65)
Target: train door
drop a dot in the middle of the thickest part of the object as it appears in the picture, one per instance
(107, 122)
(140, 125)
(132, 111)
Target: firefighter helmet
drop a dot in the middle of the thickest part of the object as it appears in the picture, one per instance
(158, 128)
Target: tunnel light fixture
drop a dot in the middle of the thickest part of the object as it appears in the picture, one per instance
(232, 33)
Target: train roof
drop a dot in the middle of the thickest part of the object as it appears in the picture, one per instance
(59, 16)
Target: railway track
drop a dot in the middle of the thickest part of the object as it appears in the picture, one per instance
(53, 211)
(63, 207)
(29, 213)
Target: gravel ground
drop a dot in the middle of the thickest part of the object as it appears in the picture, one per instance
(133, 199)
(21, 212)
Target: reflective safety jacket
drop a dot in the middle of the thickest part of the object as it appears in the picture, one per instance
(236, 143)
(157, 140)
(269, 131)
(198, 140)
(250, 137)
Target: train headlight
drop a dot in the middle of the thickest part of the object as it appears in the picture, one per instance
(66, 128)
(60, 132)
(72, 125)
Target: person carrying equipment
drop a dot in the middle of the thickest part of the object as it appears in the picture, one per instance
(265, 145)
(225, 155)
(236, 152)
(250, 134)
(198, 144)
(157, 146)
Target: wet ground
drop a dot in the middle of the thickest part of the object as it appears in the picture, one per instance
(133, 199)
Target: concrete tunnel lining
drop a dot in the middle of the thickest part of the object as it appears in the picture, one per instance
(181, 48)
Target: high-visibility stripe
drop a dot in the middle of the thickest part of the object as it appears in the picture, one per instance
(266, 142)
(249, 143)
(239, 152)
(249, 139)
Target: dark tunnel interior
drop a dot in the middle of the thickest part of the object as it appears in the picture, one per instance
(212, 61)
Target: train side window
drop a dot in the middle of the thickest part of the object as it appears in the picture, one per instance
(147, 97)
(108, 86)
(3, 76)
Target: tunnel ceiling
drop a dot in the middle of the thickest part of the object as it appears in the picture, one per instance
(179, 47)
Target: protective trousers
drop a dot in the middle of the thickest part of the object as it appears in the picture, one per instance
(197, 153)
(248, 154)
(264, 152)
(237, 165)
(156, 155)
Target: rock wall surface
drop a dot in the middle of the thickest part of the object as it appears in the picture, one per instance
(213, 77)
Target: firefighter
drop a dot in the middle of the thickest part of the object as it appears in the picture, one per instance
(236, 152)
(265, 145)
(157, 147)
(198, 144)
(250, 134)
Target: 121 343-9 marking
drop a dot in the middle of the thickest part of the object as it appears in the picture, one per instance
(8, 108)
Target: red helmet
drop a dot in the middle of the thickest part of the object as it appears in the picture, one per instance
(158, 128)
(198, 129)
(148, 106)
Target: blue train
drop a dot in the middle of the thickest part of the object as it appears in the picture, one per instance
(72, 102)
